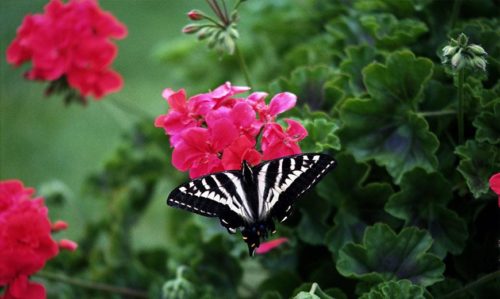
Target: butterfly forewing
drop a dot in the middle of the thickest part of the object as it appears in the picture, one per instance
(216, 195)
(280, 182)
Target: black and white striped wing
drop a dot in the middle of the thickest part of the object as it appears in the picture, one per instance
(215, 195)
(280, 182)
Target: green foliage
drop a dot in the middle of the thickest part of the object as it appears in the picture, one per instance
(384, 255)
(401, 289)
(406, 213)
(386, 127)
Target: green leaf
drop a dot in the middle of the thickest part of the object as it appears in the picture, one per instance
(401, 289)
(400, 8)
(358, 205)
(478, 161)
(312, 227)
(308, 84)
(391, 33)
(385, 127)
(488, 124)
(385, 255)
(400, 81)
(322, 135)
(422, 202)
(357, 58)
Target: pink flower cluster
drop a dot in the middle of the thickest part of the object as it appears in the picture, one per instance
(216, 131)
(25, 240)
(70, 41)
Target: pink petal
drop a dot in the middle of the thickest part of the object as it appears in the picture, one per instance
(227, 90)
(176, 99)
(208, 164)
(270, 245)
(215, 115)
(280, 149)
(243, 115)
(282, 102)
(201, 104)
(271, 133)
(222, 134)
(295, 130)
(495, 185)
(241, 149)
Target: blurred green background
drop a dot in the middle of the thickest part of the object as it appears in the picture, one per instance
(49, 145)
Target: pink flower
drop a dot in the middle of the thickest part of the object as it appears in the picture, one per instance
(180, 116)
(270, 245)
(276, 143)
(70, 42)
(241, 149)
(495, 185)
(200, 148)
(279, 103)
(25, 240)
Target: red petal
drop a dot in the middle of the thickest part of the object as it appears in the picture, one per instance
(243, 115)
(68, 245)
(295, 130)
(176, 99)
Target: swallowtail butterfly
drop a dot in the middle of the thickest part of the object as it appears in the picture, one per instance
(252, 197)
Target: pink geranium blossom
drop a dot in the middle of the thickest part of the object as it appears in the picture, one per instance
(495, 185)
(26, 243)
(277, 143)
(71, 43)
(217, 131)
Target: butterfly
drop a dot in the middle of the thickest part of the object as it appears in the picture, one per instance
(252, 198)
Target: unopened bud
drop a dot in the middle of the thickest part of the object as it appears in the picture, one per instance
(68, 245)
(59, 225)
(191, 28)
(195, 15)
(479, 63)
(476, 49)
(462, 40)
(456, 59)
(449, 50)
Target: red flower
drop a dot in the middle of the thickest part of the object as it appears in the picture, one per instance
(25, 240)
(279, 103)
(495, 185)
(270, 245)
(276, 143)
(71, 42)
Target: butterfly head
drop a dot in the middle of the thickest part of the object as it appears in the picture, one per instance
(254, 233)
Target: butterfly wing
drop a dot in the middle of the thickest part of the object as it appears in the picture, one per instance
(215, 195)
(280, 182)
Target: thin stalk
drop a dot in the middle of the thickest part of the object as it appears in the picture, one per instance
(473, 284)
(94, 285)
(225, 9)
(238, 4)
(219, 11)
(313, 288)
(215, 10)
(243, 66)
(460, 115)
(436, 113)
(454, 12)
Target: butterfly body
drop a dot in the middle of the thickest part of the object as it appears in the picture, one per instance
(252, 197)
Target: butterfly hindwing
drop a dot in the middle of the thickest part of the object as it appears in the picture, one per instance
(214, 195)
(280, 182)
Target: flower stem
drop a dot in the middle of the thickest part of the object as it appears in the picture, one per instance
(313, 288)
(454, 12)
(473, 284)
(243, 66)
(460, 115)
(436, 113)
(94, 285)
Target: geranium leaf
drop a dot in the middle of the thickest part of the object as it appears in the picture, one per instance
(357, 58)
(322, 135)
(422, 202)
(385, 255)
(488, 124)
(400, 8)
(311, 291)
(400, 81)
(312, 227)
(389, 32)
(397, 140)
(385, 127)
(478, 161)
(401, 289)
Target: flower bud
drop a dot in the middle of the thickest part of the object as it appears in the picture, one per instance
(191, 28)
(479, 62)
(462, 40)
(456, 59)
(59, 225)
(449, 50)
(476, 49)
(68, 245)
(195, 15)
